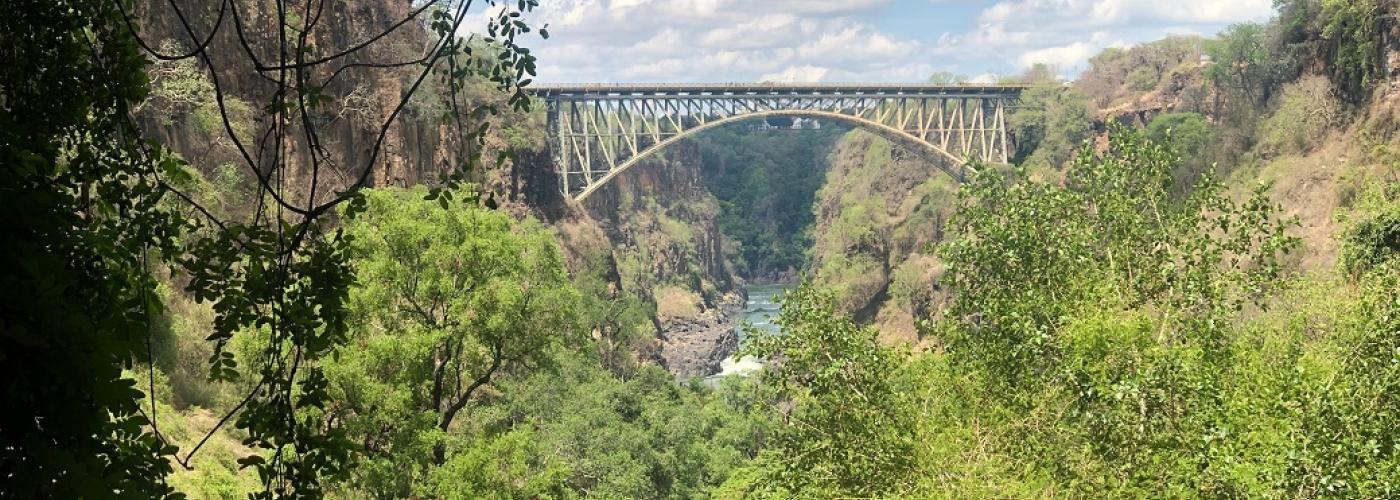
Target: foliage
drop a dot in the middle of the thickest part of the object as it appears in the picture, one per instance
(1242, 63)
(947, 78)
(451, 299)
(1346, 438)
(1371, 242)
(879, 210)
(1193, 140)
(639, 437)
(279, 281)
(1118, 74)
(1347, 36)
(766, 182)
(1355, 29)
(619, 321)
(85, 197)
(1050, 125)
(1099, 314)
(850, 432)
(1307, 111)
(181, 91)
(1039, 73)
(1032, 254)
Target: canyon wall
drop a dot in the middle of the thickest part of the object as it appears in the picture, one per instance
(879, 216)
(657, 225)
(651, 232)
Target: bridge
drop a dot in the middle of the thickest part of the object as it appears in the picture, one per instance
(601, 130)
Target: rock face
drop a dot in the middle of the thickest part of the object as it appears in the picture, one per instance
(418, 146)
(655, 226)
(695, 347)
(879, 217)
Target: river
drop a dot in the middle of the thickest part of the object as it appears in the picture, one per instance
(760, 313)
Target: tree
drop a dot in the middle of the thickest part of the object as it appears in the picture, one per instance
(1107, 307)
(1051, 123)
(1040, 73)
(1348, 35)
(766, 183)
(85, 198)
(1192, 138)
(1028, 254)
(1242, 63)
(450, 300)
(947, 78)
(850, 432)
(104, 207)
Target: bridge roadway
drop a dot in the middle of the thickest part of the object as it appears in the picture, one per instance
(601, 130)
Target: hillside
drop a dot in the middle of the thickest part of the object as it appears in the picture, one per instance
(319, 252)
(1326, 160)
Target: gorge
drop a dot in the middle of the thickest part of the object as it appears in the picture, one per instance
(300, 248)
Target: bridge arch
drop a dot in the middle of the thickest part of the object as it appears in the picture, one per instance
(945, 161)
(601, 131)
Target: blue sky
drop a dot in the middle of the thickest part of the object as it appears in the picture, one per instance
(852, 40)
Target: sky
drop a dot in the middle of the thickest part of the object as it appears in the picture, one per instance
(646, 41)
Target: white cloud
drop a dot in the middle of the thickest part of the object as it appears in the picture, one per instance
(716, 40)
(1066, 33)
(796, 74)
(842, 40)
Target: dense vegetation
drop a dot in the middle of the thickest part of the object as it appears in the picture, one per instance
(1121, 314)
(766, 181)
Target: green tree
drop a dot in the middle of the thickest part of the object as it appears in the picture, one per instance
(1108, 304)
(850, 431)
(450, 301)
(767, 182)
(1242, 63)
(1192, 138)
(643, 436)
(1349, 35)
(1030, 254)
(1051, 124)
(947, 78)
(84, 196)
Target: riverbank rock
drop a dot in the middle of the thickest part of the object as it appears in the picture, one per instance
(694, 347)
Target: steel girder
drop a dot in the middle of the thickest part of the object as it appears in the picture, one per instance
(601, 131)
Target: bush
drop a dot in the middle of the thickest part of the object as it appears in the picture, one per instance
(1371, 242)
(851, 429)
(1193, 138)
(1307, 110)
(1051, 124)
(1143, 79)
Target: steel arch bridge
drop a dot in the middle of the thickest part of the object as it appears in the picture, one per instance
(601, 131)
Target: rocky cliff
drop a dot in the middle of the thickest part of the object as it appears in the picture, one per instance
(189, 104)
(661, 226)
(878, 217)
(654, 228)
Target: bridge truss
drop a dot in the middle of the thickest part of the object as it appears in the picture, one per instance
(600, 131)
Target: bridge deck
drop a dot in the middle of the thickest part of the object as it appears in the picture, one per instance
(608, 90)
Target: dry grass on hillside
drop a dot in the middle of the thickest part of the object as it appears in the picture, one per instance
(675, 303)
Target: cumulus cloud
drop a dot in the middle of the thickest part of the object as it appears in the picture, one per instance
(850, 40)
(716, 40)
(793, 74)
(1066, 33)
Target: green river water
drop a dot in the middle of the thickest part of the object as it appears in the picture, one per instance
(760, 313)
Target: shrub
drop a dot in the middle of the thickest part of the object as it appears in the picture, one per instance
(1371, 242)
(850, 432)
(1193, 138)
(1143, 79)
(1053, 121)
(676, 303)
(1306, 111)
